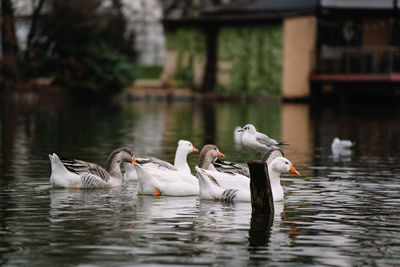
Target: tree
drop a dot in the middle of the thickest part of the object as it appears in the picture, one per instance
(9, 44)
(82, 45)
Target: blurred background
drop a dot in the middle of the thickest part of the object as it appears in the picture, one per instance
(82, 77)
(294, 49)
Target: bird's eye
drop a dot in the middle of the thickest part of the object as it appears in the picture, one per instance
(286, 163)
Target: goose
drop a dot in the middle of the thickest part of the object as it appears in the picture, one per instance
(217, 186)
(180, 163)
(171, 182)
(235, 168)
(81, 174)
(226, 175)
(257, 142)
(231, 167)
(154, 181)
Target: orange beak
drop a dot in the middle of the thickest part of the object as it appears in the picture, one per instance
(133, 160)
(220, 155)
(195, 149)
(293, 170)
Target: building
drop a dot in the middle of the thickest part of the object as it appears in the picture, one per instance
(358, 46)
(284, 48)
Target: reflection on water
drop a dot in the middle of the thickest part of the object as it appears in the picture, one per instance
(342, 211)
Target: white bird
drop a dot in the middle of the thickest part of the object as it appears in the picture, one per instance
(258, 142)
(228, 187)
(154, 181)
(81, 174)
(171, 182)
(237, 136)
(180, 163)
(168, 180)
(341, 147)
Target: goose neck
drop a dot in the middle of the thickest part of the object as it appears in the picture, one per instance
(114, 168)
(274, 176)
(180, 161)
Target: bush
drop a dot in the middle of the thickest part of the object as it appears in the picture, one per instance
(83, 46)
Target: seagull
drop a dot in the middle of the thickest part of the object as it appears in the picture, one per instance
(237, 135)
(258, 142)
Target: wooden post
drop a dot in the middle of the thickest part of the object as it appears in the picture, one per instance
(260, 229)
(262, 201)
(262, 204)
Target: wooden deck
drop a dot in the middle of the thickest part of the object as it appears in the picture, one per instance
(357, 77)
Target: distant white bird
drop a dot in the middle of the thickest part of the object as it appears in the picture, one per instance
(258, 142)
(237, 136)
(341, 147)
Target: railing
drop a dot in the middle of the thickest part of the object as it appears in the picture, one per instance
(358, 60)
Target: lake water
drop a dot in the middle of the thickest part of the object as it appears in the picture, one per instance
(341, 211)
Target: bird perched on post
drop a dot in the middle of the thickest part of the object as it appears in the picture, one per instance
(256, 141)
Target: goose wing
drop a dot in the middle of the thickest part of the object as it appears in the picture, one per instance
(156, 163)
(82, 167)
(230, 167)
(89, 180)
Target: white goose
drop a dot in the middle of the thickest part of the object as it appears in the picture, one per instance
(81, 174)
(171, 182)
(221, 186)
(180, 163)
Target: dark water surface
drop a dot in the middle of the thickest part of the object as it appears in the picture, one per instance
(342, 210)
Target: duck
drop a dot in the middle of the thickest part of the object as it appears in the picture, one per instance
(217, 186)
(169, 182)
(258, 142)
(81, 174)
(180, 163)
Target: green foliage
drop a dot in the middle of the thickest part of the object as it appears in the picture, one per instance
(189, 42)
(184, 74)
(100, 69)
(85, 47)
(188, 39)
(256, 56)
(150, 72)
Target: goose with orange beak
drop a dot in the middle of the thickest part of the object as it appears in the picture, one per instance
(183, 149)
(233, 187)
(155, 181)
(82, 174)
